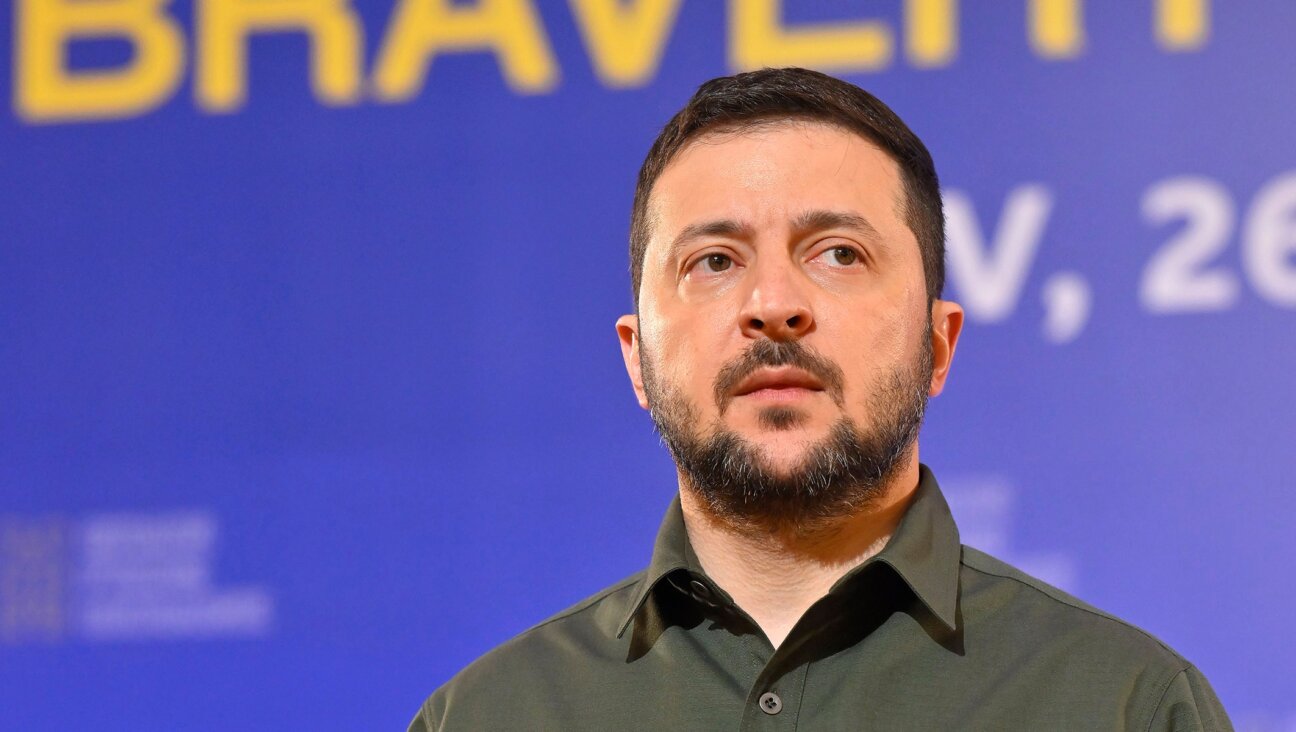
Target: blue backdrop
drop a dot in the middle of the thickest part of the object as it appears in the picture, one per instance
(309, 387)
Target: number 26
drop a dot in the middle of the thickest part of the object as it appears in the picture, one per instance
(1180, 276)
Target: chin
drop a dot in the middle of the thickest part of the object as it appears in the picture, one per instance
(784, 452)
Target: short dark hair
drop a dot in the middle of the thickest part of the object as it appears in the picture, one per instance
(770, 95)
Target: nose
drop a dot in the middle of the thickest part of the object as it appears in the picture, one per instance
(777, 306)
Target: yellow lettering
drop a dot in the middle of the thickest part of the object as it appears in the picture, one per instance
(930, 28)
(1182, 25)
(625, 41)
(223, 28)
(421, 28)
(46, 90)
(758, 38)
(1056, 28)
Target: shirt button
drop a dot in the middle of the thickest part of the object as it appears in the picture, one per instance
(770, 703)
(700, 590)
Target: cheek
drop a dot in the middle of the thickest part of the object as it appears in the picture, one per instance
(676, 352)
(692, 355)
(874, 349)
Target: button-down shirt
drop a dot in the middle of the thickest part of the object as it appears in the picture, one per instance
(927, 634)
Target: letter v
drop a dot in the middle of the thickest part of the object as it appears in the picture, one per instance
(989, 281)
(625, 40)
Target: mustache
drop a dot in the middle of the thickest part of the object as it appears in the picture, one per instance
(765, 352)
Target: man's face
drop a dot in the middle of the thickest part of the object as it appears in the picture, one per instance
(783, 312)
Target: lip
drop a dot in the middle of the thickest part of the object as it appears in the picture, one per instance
(778, 383)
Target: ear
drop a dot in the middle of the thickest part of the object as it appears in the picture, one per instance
(947, 323)
(628, 332)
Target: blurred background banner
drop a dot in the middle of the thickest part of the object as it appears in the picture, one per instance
(309, 387)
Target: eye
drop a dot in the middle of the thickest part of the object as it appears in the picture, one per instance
(844, 255)
(841, 256)
(715, 262)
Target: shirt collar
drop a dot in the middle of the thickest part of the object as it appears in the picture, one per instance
(671, 552)
(924, 551)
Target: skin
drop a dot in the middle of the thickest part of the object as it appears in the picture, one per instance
(854, 293)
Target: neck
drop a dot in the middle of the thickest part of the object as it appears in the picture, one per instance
(776, 575)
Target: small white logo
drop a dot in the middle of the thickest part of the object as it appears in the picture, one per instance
(121, 576)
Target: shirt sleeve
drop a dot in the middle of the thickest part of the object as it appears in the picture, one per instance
(1189, 704)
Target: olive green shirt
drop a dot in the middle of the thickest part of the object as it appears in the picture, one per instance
(926, 635)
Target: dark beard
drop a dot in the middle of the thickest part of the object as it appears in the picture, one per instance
(839, 476)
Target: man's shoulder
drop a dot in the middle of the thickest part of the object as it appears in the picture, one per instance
(1028, 606)
(1057, 636)
(574, 640)
(593, 618)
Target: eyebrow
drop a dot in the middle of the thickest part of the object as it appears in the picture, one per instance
(720, 227)
(820, 220)
(805, 223)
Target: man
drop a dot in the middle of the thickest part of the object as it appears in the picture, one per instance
(787, 247)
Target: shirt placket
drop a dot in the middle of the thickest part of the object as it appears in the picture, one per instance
(774, 700)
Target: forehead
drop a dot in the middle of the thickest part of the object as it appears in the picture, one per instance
(770, 174)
